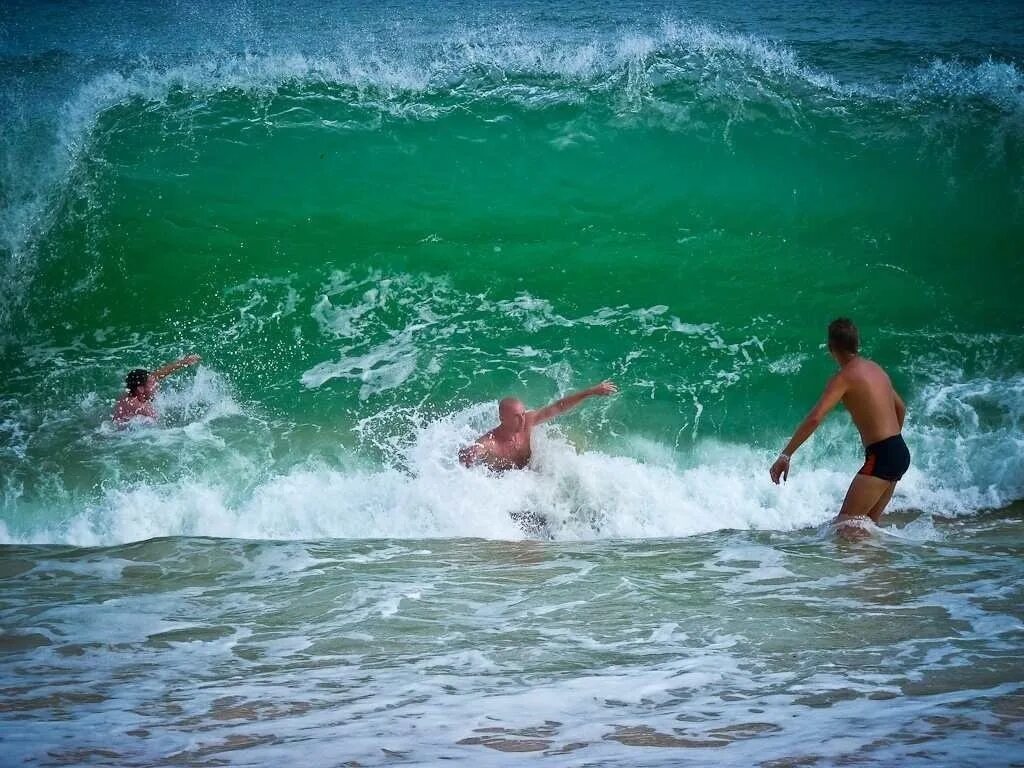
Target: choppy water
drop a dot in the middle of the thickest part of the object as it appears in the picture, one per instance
(732, 648)
(372, 222)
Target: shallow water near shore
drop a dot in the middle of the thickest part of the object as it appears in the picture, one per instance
(728, 648)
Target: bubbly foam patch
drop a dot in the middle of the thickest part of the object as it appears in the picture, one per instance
(967, 439)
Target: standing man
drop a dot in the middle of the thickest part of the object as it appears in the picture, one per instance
(141, 388)
(877, 412)
(507, 446)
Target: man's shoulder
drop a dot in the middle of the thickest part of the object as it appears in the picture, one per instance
(839, 378)
(871, 368)
(864, 375)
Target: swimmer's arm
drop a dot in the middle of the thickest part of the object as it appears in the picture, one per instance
(901, 408)
(559, 407)
(166, 370)
(834, 391)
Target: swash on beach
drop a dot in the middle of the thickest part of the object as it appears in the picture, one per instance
(374, 221)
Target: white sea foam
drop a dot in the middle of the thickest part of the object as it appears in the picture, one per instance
(422, 492)
(968, 444)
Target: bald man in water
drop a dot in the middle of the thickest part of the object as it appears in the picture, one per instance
(507, 446)
(877, 412)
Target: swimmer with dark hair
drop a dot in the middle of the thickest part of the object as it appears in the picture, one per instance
(141, 387)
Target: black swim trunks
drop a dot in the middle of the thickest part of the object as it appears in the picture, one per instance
(887, 459)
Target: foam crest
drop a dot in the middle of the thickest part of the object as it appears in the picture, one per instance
(999, 83)
(425, 493)
(498, 61)
(420, 491)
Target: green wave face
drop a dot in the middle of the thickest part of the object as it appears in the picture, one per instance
(361, 250)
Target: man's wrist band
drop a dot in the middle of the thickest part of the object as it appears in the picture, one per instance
(784, 456)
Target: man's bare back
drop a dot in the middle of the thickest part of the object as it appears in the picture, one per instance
(870, 399)
(507, 446)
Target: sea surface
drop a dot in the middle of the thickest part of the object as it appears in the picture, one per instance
(374, 220)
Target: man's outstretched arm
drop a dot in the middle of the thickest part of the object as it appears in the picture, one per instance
(166, 370)
(834, 391)
(559, 407)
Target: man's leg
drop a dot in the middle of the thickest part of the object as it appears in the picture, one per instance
(875, 513)
(865, 495)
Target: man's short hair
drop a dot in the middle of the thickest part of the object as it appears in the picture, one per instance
(136, 379)
(843, 336)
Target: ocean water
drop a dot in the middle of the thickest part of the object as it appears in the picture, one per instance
(373, 221)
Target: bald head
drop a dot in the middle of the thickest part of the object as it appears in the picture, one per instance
(511, 412)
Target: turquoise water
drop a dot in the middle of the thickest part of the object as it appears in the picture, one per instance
(372, 223)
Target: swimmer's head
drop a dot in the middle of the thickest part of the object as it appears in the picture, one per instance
(140, 383)
(843, 338)
(512, 413)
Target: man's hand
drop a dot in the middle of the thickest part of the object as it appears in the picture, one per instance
(166, 370)
(780, 469)
(604, 388)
